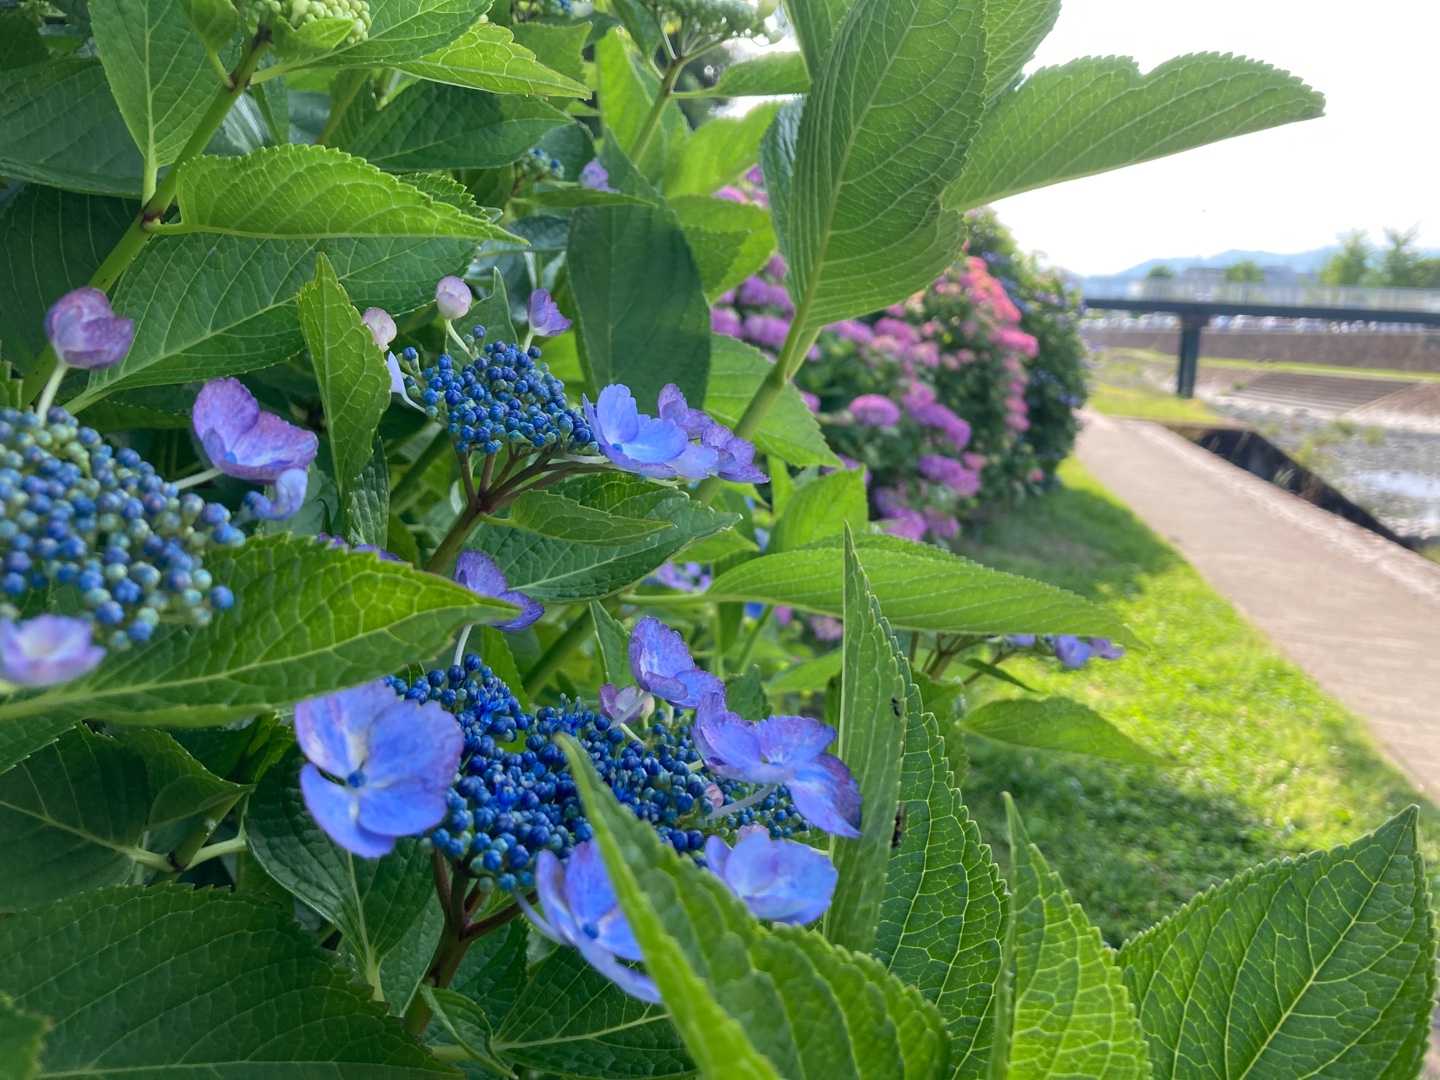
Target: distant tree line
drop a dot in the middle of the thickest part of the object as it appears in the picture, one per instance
(1397, 264)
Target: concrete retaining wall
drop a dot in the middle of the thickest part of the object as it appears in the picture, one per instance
(1409, 351)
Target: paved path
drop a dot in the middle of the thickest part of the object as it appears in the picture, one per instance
(1361, 615)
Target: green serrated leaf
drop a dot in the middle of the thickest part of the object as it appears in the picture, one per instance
(59, 125)
(564, 571)
(808, 677)
(22, 1034)
(435, 126)
(919, 587)
(495, 651)
(313, 39)
(821, 507)
(466, 1024)
(487, 57)
(817, 22)
(1055, 724)
(1063, 1009)
(407, 30)
(374, 903)
(21, 738)
(557, 45)
(492, 311)
(885, 128)
(562, 518)
(174, 980)
(1096, 114)
(216, 21)
(788, 430)
(718, 152)
(1318, 966)
(272, 650)
(570, 1019)
(613, 645)
(20, 40)
(874, 689)
(177, 785)
(354, 385)
(365, 501)
(207, 306)
(729, 241)
(1013, 30)
(944, 904)
(759, 76)
(157, 70)
(313, 192)
(628, 87)
(634, 333)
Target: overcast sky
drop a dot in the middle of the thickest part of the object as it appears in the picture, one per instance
(1372, 160)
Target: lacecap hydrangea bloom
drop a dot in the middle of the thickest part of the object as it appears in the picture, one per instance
(46, 650)
(243, 441)
(85, 332)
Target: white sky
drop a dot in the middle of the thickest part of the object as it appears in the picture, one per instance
(1373, 160)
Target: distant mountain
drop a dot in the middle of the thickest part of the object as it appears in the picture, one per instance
(1302, 262)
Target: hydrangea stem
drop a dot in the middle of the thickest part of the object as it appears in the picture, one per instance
(652, 118)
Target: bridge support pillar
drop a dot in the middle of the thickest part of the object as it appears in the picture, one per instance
(1189, 366)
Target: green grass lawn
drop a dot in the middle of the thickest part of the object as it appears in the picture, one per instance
(1265, 764)
(1147, 404)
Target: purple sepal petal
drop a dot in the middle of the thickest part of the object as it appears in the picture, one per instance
(827, 796)
(593, 903)
(46, 650)
(1071, 651)
(480, 573)
(777, 880)
(662, 664)
(381, 326)
(1106, 649)
(85, 332)
(290, 488)
(412, 742)
(624, 705)
(544, 315)
(792, 741)
(595, 176)
(730, 745)
(404, 807)
(336, 810)
(635, 983)
(327, 732)
(242, 441)
(397, 377)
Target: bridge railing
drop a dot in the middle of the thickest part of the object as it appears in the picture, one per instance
(1316, 296)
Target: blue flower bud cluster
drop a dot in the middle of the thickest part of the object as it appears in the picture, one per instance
(515, 797)
(537, 9)
(538, 165)
(503, 398)
(77, 514)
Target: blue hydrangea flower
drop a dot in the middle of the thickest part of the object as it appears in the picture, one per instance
(733, 456)
(777, 880)
(85, 332)
(544, 315)
(626, 705)
(581, 910)
(387, 765)
(453, 297)
(1106, 649)
(479, 573)
(595, 176)
(1072, 652)
(289, 495)
(242, 441)
(1022, 641)
(631, 440)
(785, 750)
(46, 650)
(662, 665)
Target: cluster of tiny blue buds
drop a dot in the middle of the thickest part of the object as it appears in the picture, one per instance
(79, 514)
(514, 795)
(535, 9)
(503, 398)
(538, 165)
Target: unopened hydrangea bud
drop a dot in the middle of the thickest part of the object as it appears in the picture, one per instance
(452, 297)
(381, 326)
(85, 332)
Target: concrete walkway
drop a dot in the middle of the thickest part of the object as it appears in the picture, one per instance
(1359, 614)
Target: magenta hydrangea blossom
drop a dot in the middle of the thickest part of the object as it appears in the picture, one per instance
(85, 332)
(724, 320)
(46, 650)
(595, 176)
(544, 315)
(378, 765)
(784, 750)
(381, 326)
(875, 410)
(769, 331)
(758, 292)
(479, 573)
(452, 297)
(582, 911)
(662, 665)
(905, 523)
(951, 473)
(777, 880)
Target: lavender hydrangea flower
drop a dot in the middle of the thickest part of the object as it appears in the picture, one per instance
(595, 176)
(581, 910)
(85, 332)
(1072, 652)
(381, 326)
(724, 320)
(905, 523)
(46, 650)
(777, 880)
(951, 473)
(242, 441)
(786, 750)
(1106, 649)
(875, 410)
(767, 331)
(544, 315)
(734, 456)
(479, 573)
(1021, 641)
(391, 759)
(289, 487)
(662, 665)
(452, 297)
(631, 440)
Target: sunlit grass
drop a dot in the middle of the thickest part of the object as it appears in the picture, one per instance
(1145, 404)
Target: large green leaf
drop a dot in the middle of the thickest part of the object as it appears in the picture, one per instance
(628, 88)
(821, 507)
(177, 981)
(1318, 966)
(747, 1001)
(21, 738)
(718, 152)
(1100, 113)
(177, 785)
(308, 619)
(50, 242)
(60, 126)
(365, 500)
(570, 1019)
(435, 126)
(354, 385)
(919, 587)
(817, 22)
(563, 570)
(487, 57)
(1055, 724)
(206, 306)
(22, 1034)
(1013, 30)
(1062, 1008)
(944, 905)
(157, 71)
(612, 645)
(557, 45)
(884, 129)
(763, 75)
(789, 430)
(729, 241)
(406, 30)
(20, 40)
(313, 192)
(374, 903)
(633, 332)
(875, 692)
(563, 518)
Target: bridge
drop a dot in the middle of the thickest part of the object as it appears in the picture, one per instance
(1196, 303)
